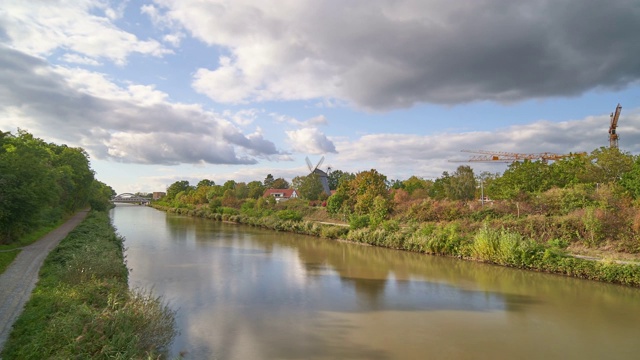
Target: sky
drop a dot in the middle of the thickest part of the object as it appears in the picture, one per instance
(158, 91)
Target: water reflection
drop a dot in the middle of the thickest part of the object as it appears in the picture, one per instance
(248, 293)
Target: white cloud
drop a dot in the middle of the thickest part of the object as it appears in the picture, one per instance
(310, 141)
(401, 155)
(39, 28)
(136, 123)
(78, 59)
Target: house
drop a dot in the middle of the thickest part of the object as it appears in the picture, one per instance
(281, 194)
(158, 194)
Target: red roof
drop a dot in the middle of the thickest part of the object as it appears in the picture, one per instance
(281, 193)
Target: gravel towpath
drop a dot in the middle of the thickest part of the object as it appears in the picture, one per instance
(19, 279)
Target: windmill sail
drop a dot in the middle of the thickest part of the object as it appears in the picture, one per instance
(324, 178)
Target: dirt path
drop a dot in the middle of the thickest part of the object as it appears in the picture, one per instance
(17, 282)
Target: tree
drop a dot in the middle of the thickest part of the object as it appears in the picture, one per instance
(521, 179)
(280, 183)
(336, 177)
(256, 189)
(462, 185)
(177, 187)
(241, 190)
(308, 187)
(268, 181)
(362, 191)
(631, 179)
(205, 182)
(609, 164)
(414, 183)
(438, 190)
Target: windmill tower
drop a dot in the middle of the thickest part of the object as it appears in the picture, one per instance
(324, 178)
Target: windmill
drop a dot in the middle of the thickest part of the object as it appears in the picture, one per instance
(324, 178)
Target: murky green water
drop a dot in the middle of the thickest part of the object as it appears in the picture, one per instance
(247, 293)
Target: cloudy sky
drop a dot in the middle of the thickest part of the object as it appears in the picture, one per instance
(164, 90)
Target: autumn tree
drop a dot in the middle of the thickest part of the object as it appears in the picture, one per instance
(361, 192)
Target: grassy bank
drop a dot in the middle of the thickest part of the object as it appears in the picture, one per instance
(82, 307)
(9, 252)
(477, 241)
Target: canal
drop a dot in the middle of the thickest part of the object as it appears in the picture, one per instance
(248, 293)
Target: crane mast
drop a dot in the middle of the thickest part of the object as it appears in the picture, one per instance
(613, 136)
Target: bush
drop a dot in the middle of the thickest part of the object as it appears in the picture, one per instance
(358, 221)
(290, 215)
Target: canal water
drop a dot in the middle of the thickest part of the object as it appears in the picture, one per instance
(248, 293)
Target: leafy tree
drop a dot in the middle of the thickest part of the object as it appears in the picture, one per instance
(363, 190)
(521, 178)
(256, 189)
(280, 183)
(609, 164)
(336, 177)
(414, 183)
(631, 179)
(40, 182)
(462, 184)
(205, 182)
(438, 190)
(268, 181)
(229, 185)
(177, 187)
(309, 187)
(241, 190)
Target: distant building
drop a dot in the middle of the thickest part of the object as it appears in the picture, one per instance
(158, 194)
(281, 194)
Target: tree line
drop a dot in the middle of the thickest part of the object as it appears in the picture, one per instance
(591, 196)
(42, 182)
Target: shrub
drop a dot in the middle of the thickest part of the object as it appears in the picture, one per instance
(358, 221)
(290, 215)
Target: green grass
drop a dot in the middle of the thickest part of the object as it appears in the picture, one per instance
(82, 308)
(9, 252)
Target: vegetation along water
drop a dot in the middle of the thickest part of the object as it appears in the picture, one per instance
(551, 217)
(82, 306)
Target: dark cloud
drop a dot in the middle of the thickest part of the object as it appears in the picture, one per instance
(116, 124)
(384, 55)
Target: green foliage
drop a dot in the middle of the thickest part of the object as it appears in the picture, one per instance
(358, 221)
(40, 183)
(337, 177)
(177, 187)
(308, 187)
(334, 203)
(290, 215)
(462, 184)
(82, 308)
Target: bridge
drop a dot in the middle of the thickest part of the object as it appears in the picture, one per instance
(130, 198)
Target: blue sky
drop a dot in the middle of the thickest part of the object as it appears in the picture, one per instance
(163, 90)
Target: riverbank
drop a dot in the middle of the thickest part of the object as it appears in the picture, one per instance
(82, 306)
(474, 242)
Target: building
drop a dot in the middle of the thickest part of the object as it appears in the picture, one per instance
(281, 194)
(158, 194)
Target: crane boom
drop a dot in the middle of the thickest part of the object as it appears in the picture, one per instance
(613, 136)
(509, 157)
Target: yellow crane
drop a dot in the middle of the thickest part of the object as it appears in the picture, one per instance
(613, 136)
(503, 156)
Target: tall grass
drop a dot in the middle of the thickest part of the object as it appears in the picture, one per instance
(82, 308)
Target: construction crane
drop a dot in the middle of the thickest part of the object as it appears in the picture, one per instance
(613, 136)
(509, 157)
